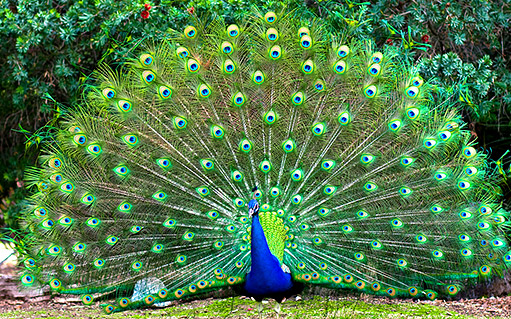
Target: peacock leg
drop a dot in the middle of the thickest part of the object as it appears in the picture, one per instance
(277, 309)
(260, 309)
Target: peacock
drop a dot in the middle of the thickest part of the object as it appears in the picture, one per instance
(265, 156)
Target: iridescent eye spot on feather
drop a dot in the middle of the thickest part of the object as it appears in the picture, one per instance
(306, 42)
(412, 92)
(359, 256)
(270, 17)
(124, 106)
(229, 67)
(54, 250)
(347, 229)
(233, 31)
(67, 187)
(319, 129)
(497, 243)
(245, 145)
(395, 125)
(370, 187)
(444, 135)
(121, 170)
(464, 238)
(164, 92)
(317, 240)
(204, 91)
(182, 52)
(308, 67)
(92, 222)
(265, 166)
(463, 185)
(402, 263)
(190, 32)
(298, 98)
(440, 176)
(164, 163)
(258, 77)
(405, 191)
(79, 247)
(436, 209)
(108, 93)
(272, 35)
(80, 139)
(377, 57)
(217, 131)
(275, 192)
(169, 223)
(319, 85)
(429, 143)
(470, 171)
(29, 263)
(55, 284)
(157, 248)
(125, 207)
(466, 252)
(219, 244)
(146, 59)
(275, 52)
(417, 81)
(192, 66)
(362, 214)
(207, 164)
(237, 176)
(329, 190)
(396, 223)
(366, 159)
(413, 291)
(239, 202)
(375, 286)
(360, 284)
(130, 140)
(485, 270)
(88, 199)
(135, 229)
(238, 99)
(452, 290)
(288, 145)
(343, 51)
(87, 300)
(180, 122)
(507, 257)
(370, 91)
(56, 178)
(327, 165)
(437, 254)
(160, 196)
(412, 113)
(148, 76)
(376, 244)
(203, 191)
(227, 48)
(163, 293)
(339, 67)
(407, 161)
(270, 117)
(109, 309)
(421, 239)
(374, 70)
(123, 302)
(348, 278)
(469, 152)
(55, 163)
(303, 31)
(47, 223)
(40, 212)
(483, 226)
(296, 175)
(297, 199)
(485, 210)
(344, 118)
(111, 240)
(136, 265)
(465, 214)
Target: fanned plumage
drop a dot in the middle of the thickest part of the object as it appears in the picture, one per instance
(364, 181)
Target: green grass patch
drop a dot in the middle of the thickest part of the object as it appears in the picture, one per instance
(318, 307)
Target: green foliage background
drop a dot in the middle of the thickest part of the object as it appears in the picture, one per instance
(48, 48)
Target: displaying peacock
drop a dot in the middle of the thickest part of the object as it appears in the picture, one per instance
(266, 156)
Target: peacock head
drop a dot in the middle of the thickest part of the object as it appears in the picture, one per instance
(253, 205)
(253, 208)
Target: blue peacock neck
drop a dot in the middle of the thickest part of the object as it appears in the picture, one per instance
(266, 278)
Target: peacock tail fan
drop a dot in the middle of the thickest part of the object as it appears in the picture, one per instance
(365, 181)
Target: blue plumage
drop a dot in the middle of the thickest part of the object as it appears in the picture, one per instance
(266, 277)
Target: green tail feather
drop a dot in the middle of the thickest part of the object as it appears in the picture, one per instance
(378, 186)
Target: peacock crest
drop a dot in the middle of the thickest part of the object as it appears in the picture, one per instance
(367, 179)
